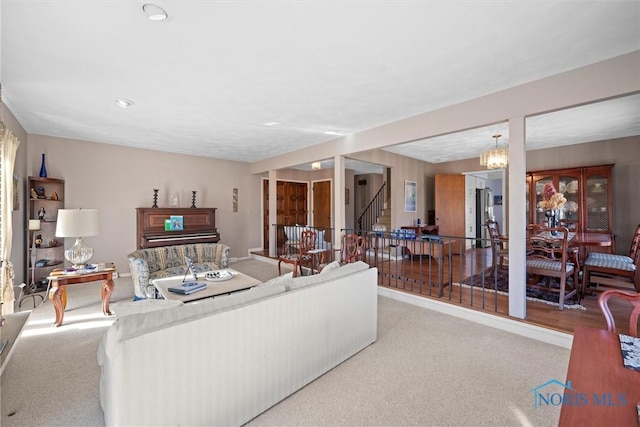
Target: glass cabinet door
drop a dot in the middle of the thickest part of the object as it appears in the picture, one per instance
(569, 185)
(597, 195)
(538, 186)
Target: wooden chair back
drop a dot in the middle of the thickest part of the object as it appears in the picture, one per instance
(634, 252)
(352, 247)
(499, 249)
(548, 255)
(634, 299)
(307, 241)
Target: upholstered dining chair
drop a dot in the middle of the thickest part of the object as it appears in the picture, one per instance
(633, 298)
(499, 248)
(547, 256)
(301, 257)
(617, 271)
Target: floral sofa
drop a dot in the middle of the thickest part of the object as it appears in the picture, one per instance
(165, 261)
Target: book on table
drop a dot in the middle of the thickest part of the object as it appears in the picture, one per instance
(187, 288)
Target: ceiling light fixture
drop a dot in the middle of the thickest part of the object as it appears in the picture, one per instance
(124, 103)
(154, 13)
(316, 166)
(496, 158)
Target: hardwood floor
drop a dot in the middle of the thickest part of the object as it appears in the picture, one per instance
(419, 276)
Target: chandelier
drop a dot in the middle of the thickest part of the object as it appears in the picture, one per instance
(496, 158)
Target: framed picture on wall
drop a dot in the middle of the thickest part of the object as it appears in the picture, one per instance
(410, 196)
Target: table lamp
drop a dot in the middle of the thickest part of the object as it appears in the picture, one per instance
(77, 223)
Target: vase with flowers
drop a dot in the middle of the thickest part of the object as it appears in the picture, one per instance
(552, 202)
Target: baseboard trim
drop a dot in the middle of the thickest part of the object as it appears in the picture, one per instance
(561, 339)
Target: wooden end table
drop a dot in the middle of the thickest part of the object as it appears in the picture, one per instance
(59, 281)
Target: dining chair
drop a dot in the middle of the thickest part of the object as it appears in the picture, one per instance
(547, 256)
(352, 250)
(612, 270)
(499, 248)
(633, 298)
(301, 257)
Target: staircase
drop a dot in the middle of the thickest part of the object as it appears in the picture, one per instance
(377, 212)
(385, 217)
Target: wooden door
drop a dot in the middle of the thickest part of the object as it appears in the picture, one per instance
(296, 211)
(450, 205)
(291, 207)
(322, 204)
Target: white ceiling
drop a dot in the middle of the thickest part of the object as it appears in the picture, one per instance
(205, 80)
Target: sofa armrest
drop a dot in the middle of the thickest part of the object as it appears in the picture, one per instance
(223, 259)
(140, 276)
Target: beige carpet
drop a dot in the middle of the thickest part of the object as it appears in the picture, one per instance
(425, 369)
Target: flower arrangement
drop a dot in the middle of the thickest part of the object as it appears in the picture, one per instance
(551, 199)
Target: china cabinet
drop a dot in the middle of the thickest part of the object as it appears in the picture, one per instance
(45, 196)
(588, 193)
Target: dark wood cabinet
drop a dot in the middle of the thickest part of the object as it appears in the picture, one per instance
(587, 190)
(45, 197)
(198, 226)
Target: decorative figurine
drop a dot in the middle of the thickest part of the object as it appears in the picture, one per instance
(34, 195)
(54, 196)
(38, 240)
(193, 199)
(155, 198)
(53, 243)
(41, 192)
(41, 213)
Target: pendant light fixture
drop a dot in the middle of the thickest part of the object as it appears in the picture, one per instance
(496, 158)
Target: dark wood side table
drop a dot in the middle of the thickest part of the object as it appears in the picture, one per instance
(11, 330)
(58, 293)
(595, 370)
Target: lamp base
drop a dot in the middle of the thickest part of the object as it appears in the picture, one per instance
(78, 254)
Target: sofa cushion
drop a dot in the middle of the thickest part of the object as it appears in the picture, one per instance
(300, 282)
(122, 309)
(331, 266)
(138, 324)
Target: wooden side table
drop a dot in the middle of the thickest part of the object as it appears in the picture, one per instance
(58, 293)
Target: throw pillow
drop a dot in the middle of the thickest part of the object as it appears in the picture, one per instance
(331, 266)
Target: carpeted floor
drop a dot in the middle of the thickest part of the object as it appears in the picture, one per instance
(487, 280)
(426, 368)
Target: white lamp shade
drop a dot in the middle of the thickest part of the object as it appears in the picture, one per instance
(34, 224)
(77, 223)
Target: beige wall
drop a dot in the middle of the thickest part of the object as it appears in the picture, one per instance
(115, 180)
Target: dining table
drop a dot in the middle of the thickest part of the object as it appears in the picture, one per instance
(600, 390)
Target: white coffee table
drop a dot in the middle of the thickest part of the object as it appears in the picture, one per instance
(238, 282)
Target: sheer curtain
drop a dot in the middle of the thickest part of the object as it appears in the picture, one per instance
(9, 147)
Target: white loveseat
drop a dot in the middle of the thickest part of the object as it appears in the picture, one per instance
(223, 361)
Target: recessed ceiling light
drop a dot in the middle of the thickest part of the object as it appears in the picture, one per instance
(154, 13)
(124, 103)
(271, 123)
(335, 133)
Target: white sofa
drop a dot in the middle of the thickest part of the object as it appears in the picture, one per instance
(223, 361)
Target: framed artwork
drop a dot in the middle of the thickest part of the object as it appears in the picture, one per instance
(410, 195)
(497, 200)
(346, 196)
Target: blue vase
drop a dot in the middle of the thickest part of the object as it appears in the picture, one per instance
(43, 168)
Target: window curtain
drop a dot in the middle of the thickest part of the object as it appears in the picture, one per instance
(9, 147)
